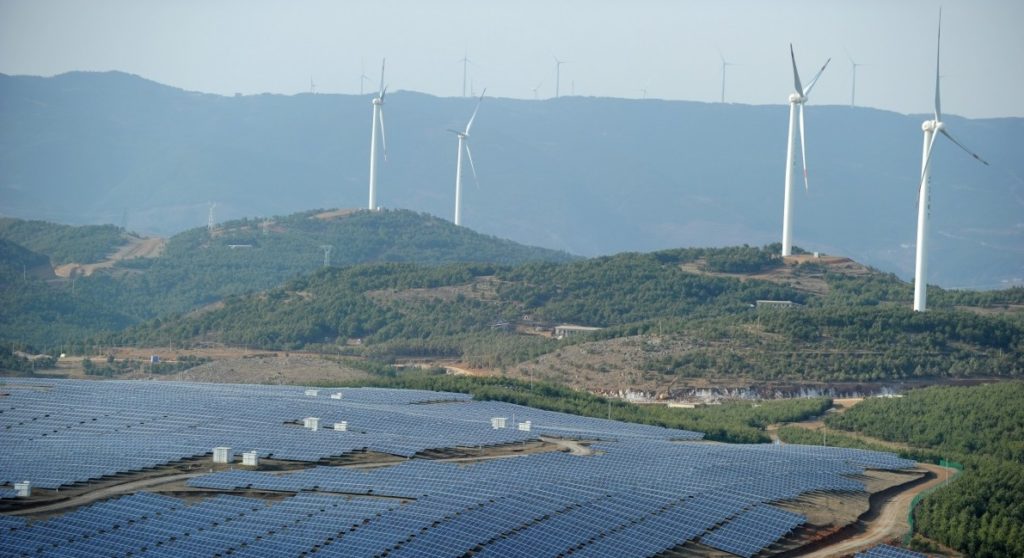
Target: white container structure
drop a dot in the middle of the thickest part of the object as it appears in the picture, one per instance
(341, 426)
(250, 458)
(525, 426)
(23, 489)
(498, 422)
(337, 395)
(312, 392)
(223, 455)
(312, 423)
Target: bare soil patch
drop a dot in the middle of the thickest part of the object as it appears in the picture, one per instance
(136, 247)
(334, 214)
(791, 274)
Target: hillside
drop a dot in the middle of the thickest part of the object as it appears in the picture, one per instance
(660, 322)
(590, 176)
(196, 269)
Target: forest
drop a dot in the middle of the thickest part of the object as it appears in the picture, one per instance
(404, 310)
(63, 243)
(199, 268)
(980, 513)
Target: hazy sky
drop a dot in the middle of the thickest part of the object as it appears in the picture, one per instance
(612, 48)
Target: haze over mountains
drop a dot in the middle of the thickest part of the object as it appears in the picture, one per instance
(587, 175)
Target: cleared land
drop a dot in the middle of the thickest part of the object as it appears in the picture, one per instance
(136, 247)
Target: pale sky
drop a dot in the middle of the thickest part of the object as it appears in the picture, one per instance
(671, 48)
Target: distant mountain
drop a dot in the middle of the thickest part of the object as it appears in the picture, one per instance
(198, 267)
(591, 176)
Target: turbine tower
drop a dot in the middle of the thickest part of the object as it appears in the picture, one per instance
(465, 71)
(464, 144)
(378, 122)
(853, 84)
(558, 74)
(930, 127)
(796, 98)
(725, 64)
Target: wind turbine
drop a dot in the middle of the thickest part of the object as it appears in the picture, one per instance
(363, 78)
(378, 121)
(853, 86)
(725, 64)
(465, 71)
(535, 90)
(464, 144)
(798, 97)
(312, 86)
(558, 74)
(930, 127)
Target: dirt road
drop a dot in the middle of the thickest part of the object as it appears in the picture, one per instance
(891, 521)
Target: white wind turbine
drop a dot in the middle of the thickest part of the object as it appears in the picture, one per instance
(558, 75)
(853, 85)
(798, 97)
(464, 145)
(923, 205)
(725, 64)
(378, 121)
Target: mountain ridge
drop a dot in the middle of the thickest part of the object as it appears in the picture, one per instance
(591, 176)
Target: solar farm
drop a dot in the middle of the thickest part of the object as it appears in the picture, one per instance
(127, 468)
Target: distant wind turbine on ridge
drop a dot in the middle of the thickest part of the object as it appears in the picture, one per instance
(465, 71)
(853, 84)
(798, 97)
(930, 127)
(464, 145)
(725, 64)
(378, 122)
(535, 90)
(363, 78)
(558, 74)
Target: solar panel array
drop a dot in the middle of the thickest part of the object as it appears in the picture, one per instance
(643, 490)
(886, 551)
(125, 426)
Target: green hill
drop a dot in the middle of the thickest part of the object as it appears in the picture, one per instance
(198, 268)
(855, 327)
(63, 243)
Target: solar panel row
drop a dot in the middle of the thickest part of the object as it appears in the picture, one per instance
(886, 551)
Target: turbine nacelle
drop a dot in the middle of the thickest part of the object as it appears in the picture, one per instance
(377, 101)
(797, 98)
(932, 126)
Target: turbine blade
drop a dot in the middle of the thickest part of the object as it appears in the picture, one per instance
(472, 167)
(472, 118)
(962, 146)
(796, 74)
(815, 80)
(803, 148)
(456, 132)
(938, 45)
(382, 61)
(383, 139)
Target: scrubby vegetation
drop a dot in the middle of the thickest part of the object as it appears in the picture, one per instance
(64, 243)
(981, 512)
